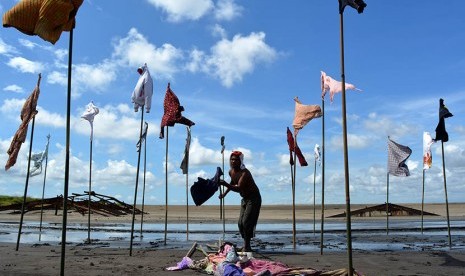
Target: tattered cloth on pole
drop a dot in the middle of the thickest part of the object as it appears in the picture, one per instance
(45, 18)
(89, 114)
(333, 86)
(427, 156)
(317, 153)
(358, 5)
(172, 112)
(293, 146)
(204, 189)
(441, 133)
(185, 161)
(143, 136)
(38, 159)
(304, 114)
(142, 93)
(397, 156)
(27, 113)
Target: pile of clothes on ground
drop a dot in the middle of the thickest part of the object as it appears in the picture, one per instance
(228, 262)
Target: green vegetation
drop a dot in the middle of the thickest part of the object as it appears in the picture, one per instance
(8, 200)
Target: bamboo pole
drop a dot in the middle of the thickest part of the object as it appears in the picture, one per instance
(445, 192)
(387, 203)
(222, 189)
(314, 194)
(27, 183)
(422, 200)
(68, 142)
(322, 175)
(143, 189)
(137, 184)
(90, 191)
(166, 184)
(346, 157)
(293, 195)
(43, 187)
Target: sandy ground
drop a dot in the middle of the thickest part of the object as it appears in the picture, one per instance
(82, 259)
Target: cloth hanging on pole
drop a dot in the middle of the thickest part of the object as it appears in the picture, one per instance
(27, 113)
(45, 18)
(143, 136)
(89, 114)
(204, 189)
(427, 156)
(185, 161)
(304, 114)
(441, 133)
(295, 147)
(397, 156)
(142, 93)
(333, 86)
(172, 112)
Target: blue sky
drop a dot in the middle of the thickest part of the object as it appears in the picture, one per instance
(236, 67)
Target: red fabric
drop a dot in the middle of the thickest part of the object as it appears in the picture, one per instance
(300, 156)
(172, 112)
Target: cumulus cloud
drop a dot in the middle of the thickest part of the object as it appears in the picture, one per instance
(26, 66)
(134, 50)
(181, 10)
(227, 10)
(6, 49)
(14, 88)
(230, 60)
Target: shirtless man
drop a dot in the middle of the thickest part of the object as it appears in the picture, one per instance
(243, 183)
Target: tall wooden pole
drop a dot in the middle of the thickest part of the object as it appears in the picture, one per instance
(422, 200)
(143, 188)
(314, 194)
(68, 143)
(293, 194)
(322, 175)
(445, 191)
(27, 183)
(90, 191)
(137, 184)
(223, 214)
(166, 184)
(346, 158)
(43, 187)
(387, 203)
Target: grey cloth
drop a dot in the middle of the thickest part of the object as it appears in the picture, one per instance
(248, 217)
(397, 155)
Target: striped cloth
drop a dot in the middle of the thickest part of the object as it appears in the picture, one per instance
(397, 155)
(45, 18)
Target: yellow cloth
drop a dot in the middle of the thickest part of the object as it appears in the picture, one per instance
(45, 18)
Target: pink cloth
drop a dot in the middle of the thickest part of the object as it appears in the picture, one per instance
(333, 86)
(304, 114)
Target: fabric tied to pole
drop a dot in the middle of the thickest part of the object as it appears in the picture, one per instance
(45, 18)
(397, 156)
(204, 189)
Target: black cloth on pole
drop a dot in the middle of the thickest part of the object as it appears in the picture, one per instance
(204, 189)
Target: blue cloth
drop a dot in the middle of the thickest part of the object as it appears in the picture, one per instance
(233, 270)
(204, 189)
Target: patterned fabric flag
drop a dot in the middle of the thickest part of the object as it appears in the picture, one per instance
(142, 93)
(185, 161)
(441, 133)
(45, 18)
(292, 146)
(359, 5)
(304, 114)
(397, 155)
(89, 114)
(27, 113)
(143, 137)
(172, 112)
(38, 159)
(333, 86)
(317, 153)
(427, 156)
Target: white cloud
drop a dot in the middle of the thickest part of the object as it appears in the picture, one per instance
(230, 60)
(134, 50)
(56, 77)
(227, 10)
(27, 43)
(6, 49)
(25, 65)
(181, 10)
(14, 88)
